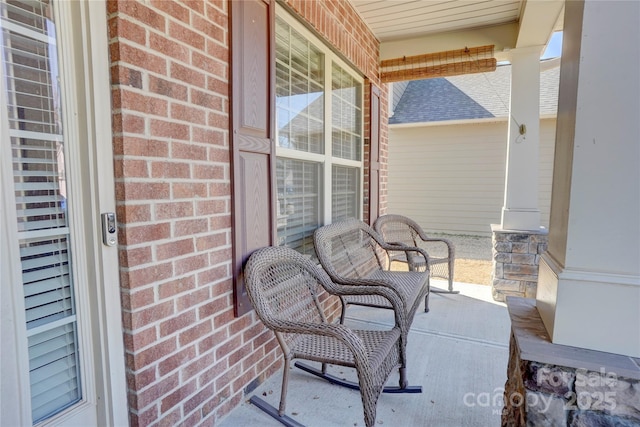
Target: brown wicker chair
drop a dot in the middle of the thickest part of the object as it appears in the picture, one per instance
(398, 229)
(284, 288)
(355, 257)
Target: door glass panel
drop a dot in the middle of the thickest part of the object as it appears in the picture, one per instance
(36, 146)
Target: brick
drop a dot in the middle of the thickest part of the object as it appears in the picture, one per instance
(208, 172)
(195, 333)
(211, 206)
(145, 275)
(174, 361)
(125, 76)
(212, 307)
(200, 397)
(175, 287)
(130, 123)
(174, 90)
(138, 57)
(502, 247)
(141, 379)
(188, 190)
(146, 357)
(133, 168)
(176, 323)
(186, 75)
(192, 299)
(209, 136)
(171, 419)
(152, 314)
(144, 191)
(138, 298)
(188, 151)
(207, 100)
(187, 265)
(168, 129)
(209, 64)
(197, 365)
(186, 35)
(143, 103)
(137, 340)
(128, 214)
(145, 233)
(190, 227)
(170, 170)
(173, 9)
(132, 146)
(507, 285)
(141, 13)
(220, 156)
(173, 210)
(135, 257)
(174, 249)
(189, 114)
(212, 372)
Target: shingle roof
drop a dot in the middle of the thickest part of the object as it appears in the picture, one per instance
(471, 96)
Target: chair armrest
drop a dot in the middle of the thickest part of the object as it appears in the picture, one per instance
(449, 243)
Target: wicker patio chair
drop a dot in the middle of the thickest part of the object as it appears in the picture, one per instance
(398, 229)
(355, 257)
(284, 288)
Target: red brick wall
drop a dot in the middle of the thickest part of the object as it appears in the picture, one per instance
(188, 359)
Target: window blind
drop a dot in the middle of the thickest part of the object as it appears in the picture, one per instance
(37, 149)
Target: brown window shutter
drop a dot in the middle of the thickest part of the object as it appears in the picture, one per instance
(374, 155)
(252, 123)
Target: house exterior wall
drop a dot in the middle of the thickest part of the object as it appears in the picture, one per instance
(450, 178)
(188, 359)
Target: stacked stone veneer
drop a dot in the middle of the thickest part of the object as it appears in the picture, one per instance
(555, 385)
(516, 255)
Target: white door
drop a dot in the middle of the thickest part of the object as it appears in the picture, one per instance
(61, 365)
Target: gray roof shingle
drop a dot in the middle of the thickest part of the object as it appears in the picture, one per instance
(471, 96)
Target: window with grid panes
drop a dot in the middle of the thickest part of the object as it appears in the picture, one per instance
(319, 135)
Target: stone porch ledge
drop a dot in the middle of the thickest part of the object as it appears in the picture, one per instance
(556, 385)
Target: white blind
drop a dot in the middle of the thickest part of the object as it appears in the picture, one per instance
(37, 151)
(298, 185)
(344, 194)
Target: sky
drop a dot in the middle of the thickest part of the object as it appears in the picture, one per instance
(554, 48)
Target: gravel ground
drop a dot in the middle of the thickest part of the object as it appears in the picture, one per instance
(469, 247)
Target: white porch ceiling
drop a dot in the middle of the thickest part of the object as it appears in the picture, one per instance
(415, 27)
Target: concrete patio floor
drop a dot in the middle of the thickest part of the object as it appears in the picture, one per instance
(457, 352)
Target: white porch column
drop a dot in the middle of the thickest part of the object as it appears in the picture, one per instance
(520, 211)
(589, 279)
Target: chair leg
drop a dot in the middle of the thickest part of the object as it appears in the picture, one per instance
(285, 383)
(426, 302)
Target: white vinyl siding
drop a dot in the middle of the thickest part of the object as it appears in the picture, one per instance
(450, 178)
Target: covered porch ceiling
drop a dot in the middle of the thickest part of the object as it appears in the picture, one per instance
(416, 27)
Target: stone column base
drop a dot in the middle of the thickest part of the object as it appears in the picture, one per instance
(516, 255)
(557, 385)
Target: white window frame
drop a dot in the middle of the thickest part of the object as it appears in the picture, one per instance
(326, 160)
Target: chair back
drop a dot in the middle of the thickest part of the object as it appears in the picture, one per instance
(398, 229)
(349, 249)
(284, 286)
